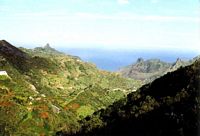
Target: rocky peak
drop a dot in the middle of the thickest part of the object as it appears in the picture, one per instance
(47, 49)
(178, 60)
(47, 46)
(145, 69)
(139, 60)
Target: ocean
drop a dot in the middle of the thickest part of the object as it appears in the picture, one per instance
(112, 60)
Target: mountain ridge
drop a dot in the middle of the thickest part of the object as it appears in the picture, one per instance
(150, 69)
(14, 55)
(49, 92)
(168, 106)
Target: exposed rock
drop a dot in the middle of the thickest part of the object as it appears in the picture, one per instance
(149, 70)
(32, 87)
(31, 98)
(145, 70)
(55, 109)
(43, 95)
(48, 49)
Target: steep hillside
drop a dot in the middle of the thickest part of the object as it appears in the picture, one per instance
(45, 91)
(14, 55)
(169, 106)
(179, 63)
(149, 70)
(145, 70)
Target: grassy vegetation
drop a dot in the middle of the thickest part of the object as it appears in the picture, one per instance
(168, 106)
(50, 92)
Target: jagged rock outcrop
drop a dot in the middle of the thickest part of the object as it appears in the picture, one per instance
(179, 63)
(149, 70)
(145, 70)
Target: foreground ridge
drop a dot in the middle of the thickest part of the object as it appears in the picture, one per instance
(169, 106)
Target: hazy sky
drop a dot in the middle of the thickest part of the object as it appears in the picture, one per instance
(102, 23)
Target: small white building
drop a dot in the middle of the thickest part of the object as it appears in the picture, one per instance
(3, 73)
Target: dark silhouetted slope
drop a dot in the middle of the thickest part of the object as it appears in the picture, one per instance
(169, 106)
(14, 56)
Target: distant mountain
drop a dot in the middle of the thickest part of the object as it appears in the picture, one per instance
(112, 60)
(149, 70)
(179, 63)
(169, 106)
(145, 69)
(47, 49)
(43, 91)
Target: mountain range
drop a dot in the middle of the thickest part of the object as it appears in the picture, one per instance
(149, 70)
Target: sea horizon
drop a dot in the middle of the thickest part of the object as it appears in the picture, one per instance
(113, 60)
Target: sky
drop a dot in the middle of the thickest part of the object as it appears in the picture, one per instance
(108, 24)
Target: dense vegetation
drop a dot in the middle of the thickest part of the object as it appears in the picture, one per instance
(169, 106)
(47, 91)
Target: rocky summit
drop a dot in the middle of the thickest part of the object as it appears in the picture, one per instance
(149, 70)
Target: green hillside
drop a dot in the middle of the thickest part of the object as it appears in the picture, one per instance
(48, 91)
(169, 106)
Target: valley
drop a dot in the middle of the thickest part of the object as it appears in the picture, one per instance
(47, 92)
(168, 106)
(99, 68)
